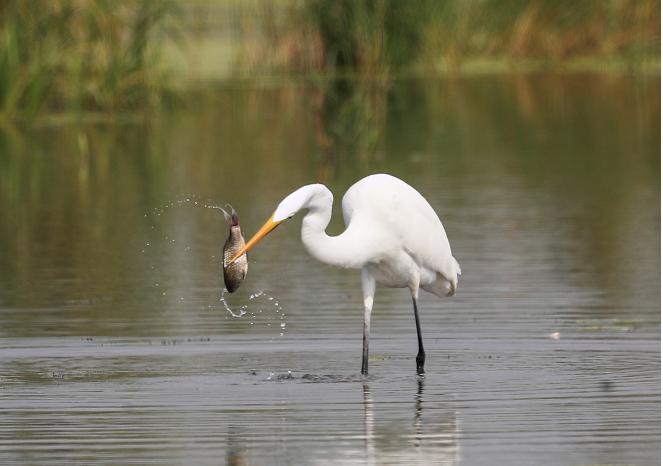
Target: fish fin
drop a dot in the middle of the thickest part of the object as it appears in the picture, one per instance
(232, 219)
(225, 214)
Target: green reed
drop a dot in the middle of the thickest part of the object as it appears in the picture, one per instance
(83, 55)
(555, 31)
(344, 36)
(377, 36)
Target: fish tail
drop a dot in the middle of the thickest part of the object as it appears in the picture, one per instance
(232, 219)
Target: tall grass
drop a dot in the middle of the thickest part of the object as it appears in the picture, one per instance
(545, 30)
(83, 55)
(343, 36)
(375, 35)
(389, 35)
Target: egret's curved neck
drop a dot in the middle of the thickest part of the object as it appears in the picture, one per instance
(337, 251)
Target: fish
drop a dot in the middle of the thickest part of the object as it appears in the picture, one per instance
(235, 273)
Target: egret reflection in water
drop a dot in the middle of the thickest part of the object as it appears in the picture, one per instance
(431, 437)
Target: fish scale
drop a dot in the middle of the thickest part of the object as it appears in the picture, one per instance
(234, 273)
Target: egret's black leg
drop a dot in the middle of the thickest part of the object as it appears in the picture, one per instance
(421, 356)
(368, 288)
(364, 356)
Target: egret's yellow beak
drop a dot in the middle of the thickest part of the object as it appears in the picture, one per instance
(266, 228)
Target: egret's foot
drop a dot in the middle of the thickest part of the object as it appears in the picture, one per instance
(364, 366)
(421, 360)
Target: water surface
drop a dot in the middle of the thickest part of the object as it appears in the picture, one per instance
(117, 345)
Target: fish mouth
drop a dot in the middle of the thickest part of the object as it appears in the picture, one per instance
(266, 228)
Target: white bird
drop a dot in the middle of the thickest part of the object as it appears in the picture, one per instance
(392, 234)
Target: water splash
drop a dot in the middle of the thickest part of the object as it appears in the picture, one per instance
(183, 199)
(257, 313)
(241, 310)
(255, 295)
(270, 317)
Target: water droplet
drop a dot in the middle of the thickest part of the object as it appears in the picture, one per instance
(282, 324)
(223, 300)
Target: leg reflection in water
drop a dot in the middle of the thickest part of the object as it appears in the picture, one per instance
(368, 426)
(432, 439)
(417, 412)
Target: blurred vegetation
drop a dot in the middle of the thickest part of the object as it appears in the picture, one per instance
(352, 49)
(113, 56)
(389, 35)
(553, 30)
(83, 55)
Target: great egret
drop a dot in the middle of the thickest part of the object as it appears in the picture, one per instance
(392, 234)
